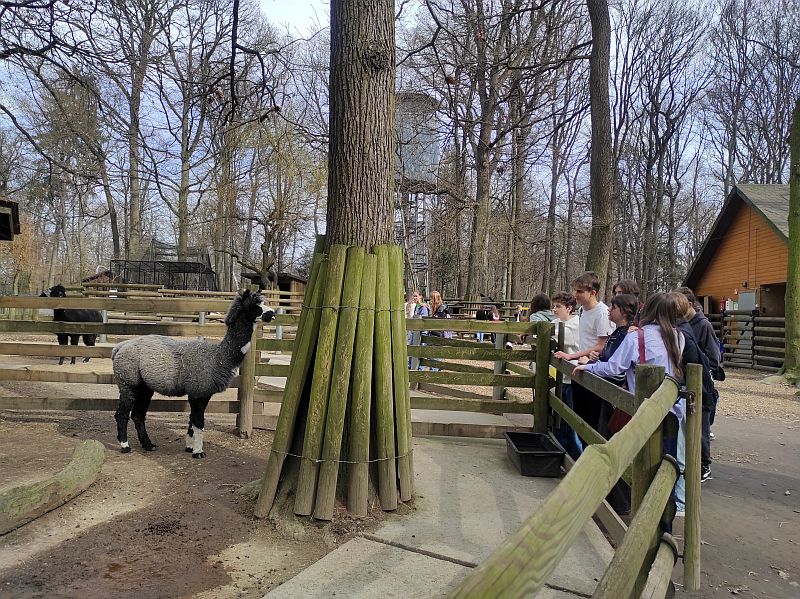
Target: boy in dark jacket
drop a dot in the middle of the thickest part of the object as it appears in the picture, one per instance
(693, 354)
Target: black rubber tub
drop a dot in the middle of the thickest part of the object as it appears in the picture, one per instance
(535, 454)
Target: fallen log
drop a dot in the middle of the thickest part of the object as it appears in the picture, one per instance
(19, 505)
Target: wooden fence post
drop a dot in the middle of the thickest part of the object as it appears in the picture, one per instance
(499, 392)
(541, 385)
(279, 328)
(103, 337)
(416, 339)
(247, 384)
(646, 462)
(694, 417)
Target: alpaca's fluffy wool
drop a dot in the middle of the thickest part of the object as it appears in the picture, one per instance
(176, 367)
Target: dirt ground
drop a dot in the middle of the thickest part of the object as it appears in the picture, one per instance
(750, 525)
(157, 524)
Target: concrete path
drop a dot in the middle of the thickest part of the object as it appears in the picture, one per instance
(751, 512)
(469, 498)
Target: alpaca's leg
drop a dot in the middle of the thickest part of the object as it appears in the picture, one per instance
(63, 339)
(73, 340)
(138, 414)
(88, 341)
(189, 437)
(122, 415)
(197, 422)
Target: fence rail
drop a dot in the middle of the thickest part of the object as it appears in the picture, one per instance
(750, 340)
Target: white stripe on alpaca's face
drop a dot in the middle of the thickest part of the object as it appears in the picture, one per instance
(124, 445)
(198, 441)
(246, 347)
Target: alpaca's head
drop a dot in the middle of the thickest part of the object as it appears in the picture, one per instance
(250, 307)
(58, 291)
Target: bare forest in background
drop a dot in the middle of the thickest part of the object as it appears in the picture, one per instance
(203, 124)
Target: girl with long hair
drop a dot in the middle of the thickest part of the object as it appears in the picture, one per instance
(663, 346)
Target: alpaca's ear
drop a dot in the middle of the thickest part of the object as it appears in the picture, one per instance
(245, 294)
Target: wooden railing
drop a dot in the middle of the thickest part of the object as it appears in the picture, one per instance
(143, 315)
(753, 341)
(644, 558)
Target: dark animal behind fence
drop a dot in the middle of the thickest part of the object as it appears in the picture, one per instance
(73, 315)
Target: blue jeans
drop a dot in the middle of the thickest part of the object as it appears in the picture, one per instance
(564, 434)
(676, 447)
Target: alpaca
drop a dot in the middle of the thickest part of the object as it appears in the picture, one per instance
(72, 315)
(176, 367)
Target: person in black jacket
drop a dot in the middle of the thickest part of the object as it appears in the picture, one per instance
(693, 354)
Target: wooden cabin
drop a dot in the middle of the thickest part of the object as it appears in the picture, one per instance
(286, 281)
(743, 262)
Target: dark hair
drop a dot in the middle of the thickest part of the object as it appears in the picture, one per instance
(629, 304)
(567, 299)
(689, 294)
(539, 302)
(628, 286)
(587, 281)
(660, 310)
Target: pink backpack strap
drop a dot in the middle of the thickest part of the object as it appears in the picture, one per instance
(640, 334)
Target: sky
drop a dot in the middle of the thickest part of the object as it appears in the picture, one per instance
(298, 15)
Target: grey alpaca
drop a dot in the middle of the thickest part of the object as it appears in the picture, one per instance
(176, 367)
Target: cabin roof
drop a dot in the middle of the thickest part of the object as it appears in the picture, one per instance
(771, 202)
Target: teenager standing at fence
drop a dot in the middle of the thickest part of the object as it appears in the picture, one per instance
(564, 309)
(658, 343)
(593, 331)
(693, 354)
(709, 344)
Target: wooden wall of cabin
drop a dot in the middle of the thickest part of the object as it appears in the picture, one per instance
(750, 251)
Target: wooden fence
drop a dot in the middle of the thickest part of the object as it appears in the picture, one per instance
(525, 561)
(644, 558)
(751, 340)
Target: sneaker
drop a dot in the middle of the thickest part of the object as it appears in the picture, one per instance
(509, 345)
(705, 473)
(711, 434)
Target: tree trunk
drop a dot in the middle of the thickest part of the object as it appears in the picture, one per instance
(601, 170)
(368, 343)
(362, 136)
(791, 362)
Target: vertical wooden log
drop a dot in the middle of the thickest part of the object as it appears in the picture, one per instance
(320, 383)
(402, 399)
(360, 406)
(694, 417)
(416, 339)
(559, 374)
(340, 385)
(645, 464)
(628, 560)
(660, 576)
(303, 351)
(247, 384)
(384, 408)
(541, 385)
(499, 392)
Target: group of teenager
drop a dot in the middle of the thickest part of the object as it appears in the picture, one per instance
(668, 330)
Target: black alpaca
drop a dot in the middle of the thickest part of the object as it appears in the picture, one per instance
(176, 367)
(72, 315)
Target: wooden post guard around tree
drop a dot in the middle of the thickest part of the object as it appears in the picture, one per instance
(356, 317)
